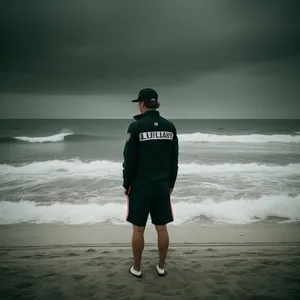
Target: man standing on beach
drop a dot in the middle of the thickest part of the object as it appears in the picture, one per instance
(149, 173)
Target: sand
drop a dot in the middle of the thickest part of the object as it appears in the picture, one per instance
(205, 262)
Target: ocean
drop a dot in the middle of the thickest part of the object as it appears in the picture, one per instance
(70, 171)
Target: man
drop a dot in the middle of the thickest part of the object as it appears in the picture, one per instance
(149, 173)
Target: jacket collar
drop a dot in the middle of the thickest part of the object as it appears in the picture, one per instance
(147, 113)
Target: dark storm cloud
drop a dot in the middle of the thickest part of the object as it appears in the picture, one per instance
(96, 46)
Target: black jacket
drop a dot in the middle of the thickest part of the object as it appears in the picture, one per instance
(151, 151)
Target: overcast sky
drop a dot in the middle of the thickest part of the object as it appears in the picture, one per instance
(206, 59)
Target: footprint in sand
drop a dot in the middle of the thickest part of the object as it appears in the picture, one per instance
(112, 274)
(221, 291)
(90, 250)
(116, 286)
(94, 263)
(217, 277)
(271, 262)
(48, 275)
(54, 256)
(78, 277)
(23, 285)
(98, 258)
(197, 265)
(189, 252)
(72, 254)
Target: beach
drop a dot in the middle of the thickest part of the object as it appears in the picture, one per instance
(150, 112)
(236, 204)
(204, 262)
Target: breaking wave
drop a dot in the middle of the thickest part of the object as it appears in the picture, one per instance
(186, 137)
(243, 211)
(60, 137)
(110, 168)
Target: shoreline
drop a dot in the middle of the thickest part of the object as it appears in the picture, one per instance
(53, 234)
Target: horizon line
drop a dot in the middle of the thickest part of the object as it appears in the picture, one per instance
(18, 118)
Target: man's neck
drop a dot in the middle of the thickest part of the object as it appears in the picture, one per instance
(148, 109)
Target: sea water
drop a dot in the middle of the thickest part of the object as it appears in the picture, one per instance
(70, 171)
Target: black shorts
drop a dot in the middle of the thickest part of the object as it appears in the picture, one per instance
(143, 200)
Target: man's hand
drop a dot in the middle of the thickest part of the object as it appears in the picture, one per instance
(171, 191)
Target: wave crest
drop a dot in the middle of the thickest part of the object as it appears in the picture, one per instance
(185, 137)
(107, 168)
(242, 211)
(60, 137)
(52, 138)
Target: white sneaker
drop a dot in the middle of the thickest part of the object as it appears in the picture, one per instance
(134, 272)
(160, 272)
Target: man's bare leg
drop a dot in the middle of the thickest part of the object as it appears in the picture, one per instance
(163, 243)
(137, 246)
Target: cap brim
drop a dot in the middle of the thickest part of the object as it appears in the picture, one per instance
(135, 100)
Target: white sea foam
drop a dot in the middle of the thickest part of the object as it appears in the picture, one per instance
(249, 138)
(107, 168)
(63, 166)
(234, 211)
(191, 137)
(52, 138)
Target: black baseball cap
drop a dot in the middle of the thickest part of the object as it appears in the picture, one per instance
(146, 94)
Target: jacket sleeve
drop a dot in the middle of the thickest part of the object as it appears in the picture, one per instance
(129, 156)
(174, 160)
